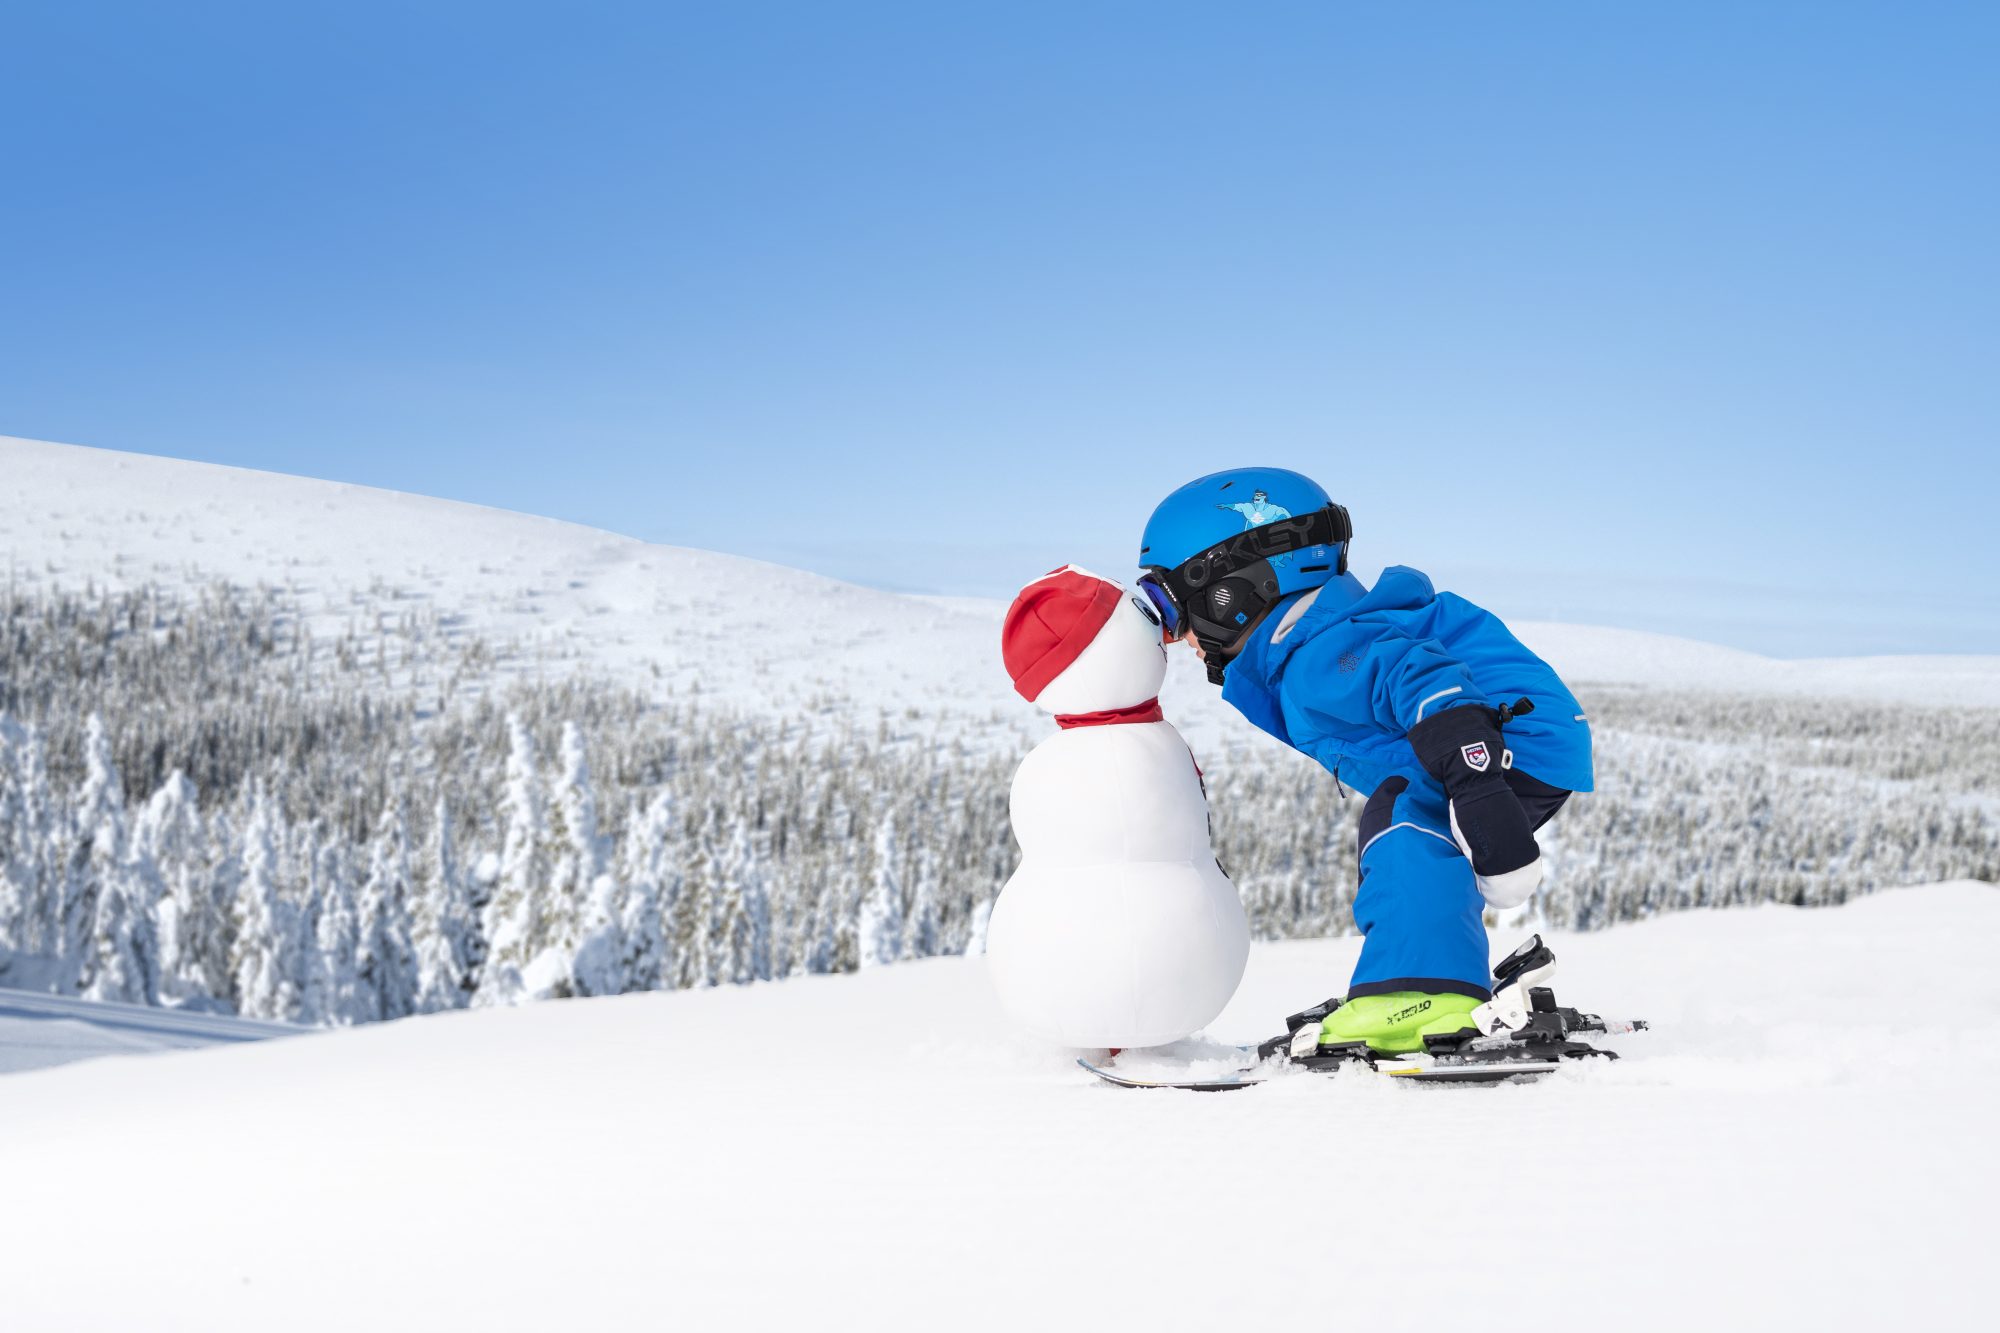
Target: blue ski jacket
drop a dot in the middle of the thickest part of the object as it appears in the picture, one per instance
(1345, 679)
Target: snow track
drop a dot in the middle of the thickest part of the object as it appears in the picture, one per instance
(1802, 1142)
(40, 1031)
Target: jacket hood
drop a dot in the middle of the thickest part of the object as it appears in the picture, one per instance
(1399, 589)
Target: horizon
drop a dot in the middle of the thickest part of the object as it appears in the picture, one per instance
(1677, 321)
(999, 600)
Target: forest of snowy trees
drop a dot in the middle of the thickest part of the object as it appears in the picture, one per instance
(201, 806)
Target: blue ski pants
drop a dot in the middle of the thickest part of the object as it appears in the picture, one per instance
(1418, 907)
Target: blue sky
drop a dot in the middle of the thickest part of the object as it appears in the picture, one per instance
(1677, 316)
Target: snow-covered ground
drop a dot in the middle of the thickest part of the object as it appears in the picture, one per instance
(756, 636)
(1802, 1142)
(40, 1031)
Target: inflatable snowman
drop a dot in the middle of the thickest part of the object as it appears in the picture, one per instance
(1118, 929)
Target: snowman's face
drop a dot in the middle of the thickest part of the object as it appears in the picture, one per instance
(1123, 666)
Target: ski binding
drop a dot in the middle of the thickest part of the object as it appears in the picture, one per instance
(1521, 1034)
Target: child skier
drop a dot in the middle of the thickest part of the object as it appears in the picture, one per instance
(1463, 741)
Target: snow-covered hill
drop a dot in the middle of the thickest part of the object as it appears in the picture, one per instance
(1800, 1143)
(757, 636)
(760, 636)
(39, 1031)
(1599, 655)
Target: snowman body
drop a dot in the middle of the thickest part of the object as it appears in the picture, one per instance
(1118, 928)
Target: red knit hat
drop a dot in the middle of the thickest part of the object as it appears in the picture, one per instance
(1051, 623)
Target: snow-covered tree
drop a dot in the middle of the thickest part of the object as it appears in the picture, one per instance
(513, 917)
(733, 924)
(384, 957)
(598, 966)
(576, 854)
(449, 946)
(22, 909)
(982, 915)
(746, 910)
(192, 916)
(267, 950)
(96, 847)
(124, 962)
(693, 923)
(920, 927)
(880, 930)
(642, 930)
(648, 870)
(331, 991)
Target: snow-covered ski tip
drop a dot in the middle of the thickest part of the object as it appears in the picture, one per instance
(1522, 1035)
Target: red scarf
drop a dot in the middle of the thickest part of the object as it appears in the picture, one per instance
(1148, 711)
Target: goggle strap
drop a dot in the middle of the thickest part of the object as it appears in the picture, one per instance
(1322, 527)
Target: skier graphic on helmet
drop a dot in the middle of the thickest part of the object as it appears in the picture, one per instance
(1257, 509)
(1462, 740)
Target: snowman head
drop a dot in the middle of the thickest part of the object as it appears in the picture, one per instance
(1077, 643)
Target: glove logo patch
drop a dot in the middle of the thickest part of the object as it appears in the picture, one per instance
(1477, 757)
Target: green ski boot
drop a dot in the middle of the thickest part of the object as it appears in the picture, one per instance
(1398, 1022)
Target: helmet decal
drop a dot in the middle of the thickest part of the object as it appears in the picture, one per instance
(1258, 510)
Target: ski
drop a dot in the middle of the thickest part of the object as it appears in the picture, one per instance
(1245, 1078)
(1521, 1034)
(1414, 1069)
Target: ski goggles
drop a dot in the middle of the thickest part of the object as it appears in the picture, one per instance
(1164, 602)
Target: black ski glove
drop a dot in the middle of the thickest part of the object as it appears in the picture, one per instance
(1462, 749)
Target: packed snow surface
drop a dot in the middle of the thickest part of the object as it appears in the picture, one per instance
(1803, 1141)
(40, 1031)
(748, 634)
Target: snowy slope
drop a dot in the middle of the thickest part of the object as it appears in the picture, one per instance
(41, 1031)
(754, 635)
(1802, 1143)
(1596, 654)
(74, 514)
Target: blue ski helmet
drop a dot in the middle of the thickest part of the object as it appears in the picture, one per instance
(1221, 549)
